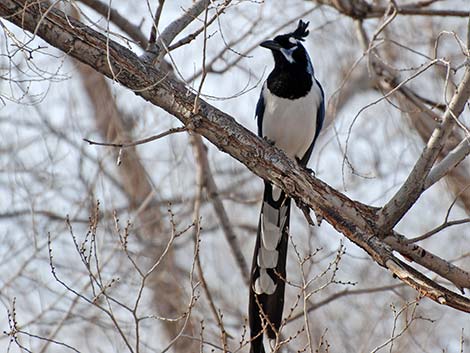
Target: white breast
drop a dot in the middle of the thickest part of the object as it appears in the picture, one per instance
(291, 124)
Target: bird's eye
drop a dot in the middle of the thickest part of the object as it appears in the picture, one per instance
(292, 41)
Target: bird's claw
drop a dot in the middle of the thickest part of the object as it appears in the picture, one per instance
(271, 142)
(310, 171)
(307, 169)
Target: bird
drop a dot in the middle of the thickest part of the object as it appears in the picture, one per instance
(290, 113)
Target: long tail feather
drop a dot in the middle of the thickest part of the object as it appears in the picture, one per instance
(268, 270)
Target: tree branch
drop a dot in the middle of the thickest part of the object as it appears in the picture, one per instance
(460, 278)
(138, 142)
(156, 21)
(114, 16)
(354, 219)
(423, 118)
(436, 230)
(412, 188)
(360, 9)
(157, 51)
(457, 155)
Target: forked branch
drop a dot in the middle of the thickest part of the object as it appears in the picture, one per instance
(353, 219)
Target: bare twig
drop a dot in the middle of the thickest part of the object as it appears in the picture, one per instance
(138, 142)
(346, 292)
(407, 323)
(132, 30)
(156, 21)
(156, 53)
(436, 230)
(402, 10)
(203, 64)
(207, 22)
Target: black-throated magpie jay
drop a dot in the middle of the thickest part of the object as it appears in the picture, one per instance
(290, 113)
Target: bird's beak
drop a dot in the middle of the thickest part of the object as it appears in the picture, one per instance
(271, 44)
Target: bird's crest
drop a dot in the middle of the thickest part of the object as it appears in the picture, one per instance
(301, 32)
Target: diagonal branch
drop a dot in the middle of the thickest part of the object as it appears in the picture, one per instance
(416, 253)
(351, 218)
(457, 155)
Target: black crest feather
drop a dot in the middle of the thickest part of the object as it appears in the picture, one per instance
(301, 32)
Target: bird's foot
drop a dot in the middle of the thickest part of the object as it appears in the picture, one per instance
(307, 169)
(268, 140)
(310, 171)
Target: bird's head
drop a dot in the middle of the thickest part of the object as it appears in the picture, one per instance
(287, 49)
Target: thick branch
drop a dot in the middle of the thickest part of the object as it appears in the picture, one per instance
(414, 252)
(424, 120)
(353, 219)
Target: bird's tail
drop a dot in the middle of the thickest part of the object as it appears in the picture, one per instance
(268, 270)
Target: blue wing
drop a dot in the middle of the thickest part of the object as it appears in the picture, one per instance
(259, 114)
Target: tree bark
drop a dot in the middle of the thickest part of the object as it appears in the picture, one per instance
(354, 219)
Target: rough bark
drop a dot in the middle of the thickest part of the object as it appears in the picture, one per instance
(354, 219)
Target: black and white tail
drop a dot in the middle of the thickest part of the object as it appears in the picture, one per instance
(268, 270)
